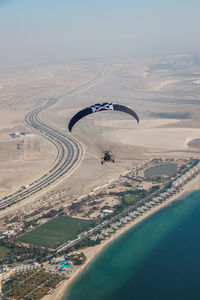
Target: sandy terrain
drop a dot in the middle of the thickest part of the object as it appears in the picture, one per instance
(24, 159)
(160, 138)
(151, 87)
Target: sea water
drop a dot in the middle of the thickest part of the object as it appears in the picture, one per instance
(157, 259)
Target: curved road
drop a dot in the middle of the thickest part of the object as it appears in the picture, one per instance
(69, 151)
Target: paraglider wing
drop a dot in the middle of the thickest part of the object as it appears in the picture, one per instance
(81, 114)
(126, 110)
(100, 107)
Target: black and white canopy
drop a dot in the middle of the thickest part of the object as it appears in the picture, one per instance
(98, 108)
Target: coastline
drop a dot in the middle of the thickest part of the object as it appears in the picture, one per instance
(92, 252)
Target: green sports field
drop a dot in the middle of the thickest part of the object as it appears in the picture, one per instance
(3, 251)
(55, 232)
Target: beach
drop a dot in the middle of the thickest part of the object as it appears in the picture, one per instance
(92, 252)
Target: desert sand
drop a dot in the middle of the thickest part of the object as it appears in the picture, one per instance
(166, 102)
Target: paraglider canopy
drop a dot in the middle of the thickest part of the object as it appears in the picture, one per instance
(97, 130)
(100, 107)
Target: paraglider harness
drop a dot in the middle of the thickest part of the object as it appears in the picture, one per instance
(107, 157)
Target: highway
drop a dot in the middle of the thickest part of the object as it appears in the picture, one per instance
(69, 151)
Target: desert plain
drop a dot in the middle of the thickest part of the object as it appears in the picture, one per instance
(163, 91)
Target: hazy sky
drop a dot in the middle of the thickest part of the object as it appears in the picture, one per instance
(43, 30)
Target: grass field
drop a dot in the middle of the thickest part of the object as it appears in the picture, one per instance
(130, 199)
(55, 232)
(3, 251)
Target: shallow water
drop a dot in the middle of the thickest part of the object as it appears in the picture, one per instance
(194, 143)
(165, 169)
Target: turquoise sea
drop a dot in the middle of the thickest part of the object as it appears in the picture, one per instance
(157, 259)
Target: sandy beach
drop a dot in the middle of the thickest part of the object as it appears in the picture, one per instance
(92, 252)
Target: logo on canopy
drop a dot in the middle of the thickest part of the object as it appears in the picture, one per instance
(102, 106)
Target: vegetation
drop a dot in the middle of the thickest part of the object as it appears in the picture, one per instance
(76, 207)
(131, 199)
(4, 251)
(51, 214)
(17, 253)
(55, 232)
(77, 258)
(31, 285)
(159, 179)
